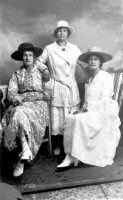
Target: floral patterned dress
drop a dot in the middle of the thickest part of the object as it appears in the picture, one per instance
(29, 120)
(93, 136)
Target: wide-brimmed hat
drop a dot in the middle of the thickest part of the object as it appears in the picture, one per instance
(62, 24)
(18, 55)
(95, 51)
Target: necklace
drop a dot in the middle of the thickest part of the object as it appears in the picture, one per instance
(63, 48)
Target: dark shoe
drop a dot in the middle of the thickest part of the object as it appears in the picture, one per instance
(62, 169)
(66, 163)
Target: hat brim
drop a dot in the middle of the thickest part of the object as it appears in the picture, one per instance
(70, 28)
(84, 57)
(18, 55)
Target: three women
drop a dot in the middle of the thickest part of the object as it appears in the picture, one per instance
(88, 133)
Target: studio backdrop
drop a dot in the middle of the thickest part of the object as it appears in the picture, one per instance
(97, 23)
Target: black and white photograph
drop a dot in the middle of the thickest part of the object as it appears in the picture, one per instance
(61, 99)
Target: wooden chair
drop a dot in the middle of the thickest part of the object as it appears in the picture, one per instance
(118, 87)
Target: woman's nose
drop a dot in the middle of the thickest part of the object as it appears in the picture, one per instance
(27, 57)
(92, 61)
(62, 31)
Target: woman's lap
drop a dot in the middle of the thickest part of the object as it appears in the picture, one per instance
(29, 120)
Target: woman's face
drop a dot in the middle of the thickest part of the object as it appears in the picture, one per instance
(94, 62)
(62, 34)
(28, 58)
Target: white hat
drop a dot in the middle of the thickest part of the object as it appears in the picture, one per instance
(62, 24)
(94, 51)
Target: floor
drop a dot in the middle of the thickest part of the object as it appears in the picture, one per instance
(103, 191)
(41, 176)
(110, 191)
(113, 190)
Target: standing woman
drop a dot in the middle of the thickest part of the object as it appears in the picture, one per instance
(92, 134)
(60, 59)
(25, 121)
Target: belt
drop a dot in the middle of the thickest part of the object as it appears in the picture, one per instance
(70, 97)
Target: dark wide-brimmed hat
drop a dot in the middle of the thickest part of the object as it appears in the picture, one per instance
(95, 51)
(62, 24)
(18, 55)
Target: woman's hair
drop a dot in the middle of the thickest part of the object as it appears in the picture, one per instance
(100, 58)
(55, 33)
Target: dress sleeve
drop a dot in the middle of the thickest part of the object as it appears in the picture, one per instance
(42, 60)
(13, 90)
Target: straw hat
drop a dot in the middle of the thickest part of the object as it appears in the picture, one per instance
(95, 51)
(18, 55)
(62, 24)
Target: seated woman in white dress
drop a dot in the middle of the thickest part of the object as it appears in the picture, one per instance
(26, 118)
(91, 135)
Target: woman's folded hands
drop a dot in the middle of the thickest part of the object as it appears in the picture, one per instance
(83, 109)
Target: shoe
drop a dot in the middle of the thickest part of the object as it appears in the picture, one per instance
(57, 151)
(66, 164)
(62, 169)
(19, 169)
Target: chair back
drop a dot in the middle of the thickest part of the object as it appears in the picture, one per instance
(118, 87)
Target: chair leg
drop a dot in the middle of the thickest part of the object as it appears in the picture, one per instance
(50, 141)
(50, 128)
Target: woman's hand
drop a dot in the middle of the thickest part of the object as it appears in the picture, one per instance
(77, 112)
(46, 98)
(83, 109)
(46, 75)
(47, 95)
(17, 102)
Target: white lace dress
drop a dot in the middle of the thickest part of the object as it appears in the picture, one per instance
(93, 136)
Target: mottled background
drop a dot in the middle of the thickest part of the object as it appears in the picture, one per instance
(97, 22)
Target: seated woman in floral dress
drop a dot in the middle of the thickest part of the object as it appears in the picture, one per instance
(27, 117)
(91, 135)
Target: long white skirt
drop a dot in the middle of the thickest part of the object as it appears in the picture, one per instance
(58, 116)
(92, 137)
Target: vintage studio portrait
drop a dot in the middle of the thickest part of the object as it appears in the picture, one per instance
(61, 99)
